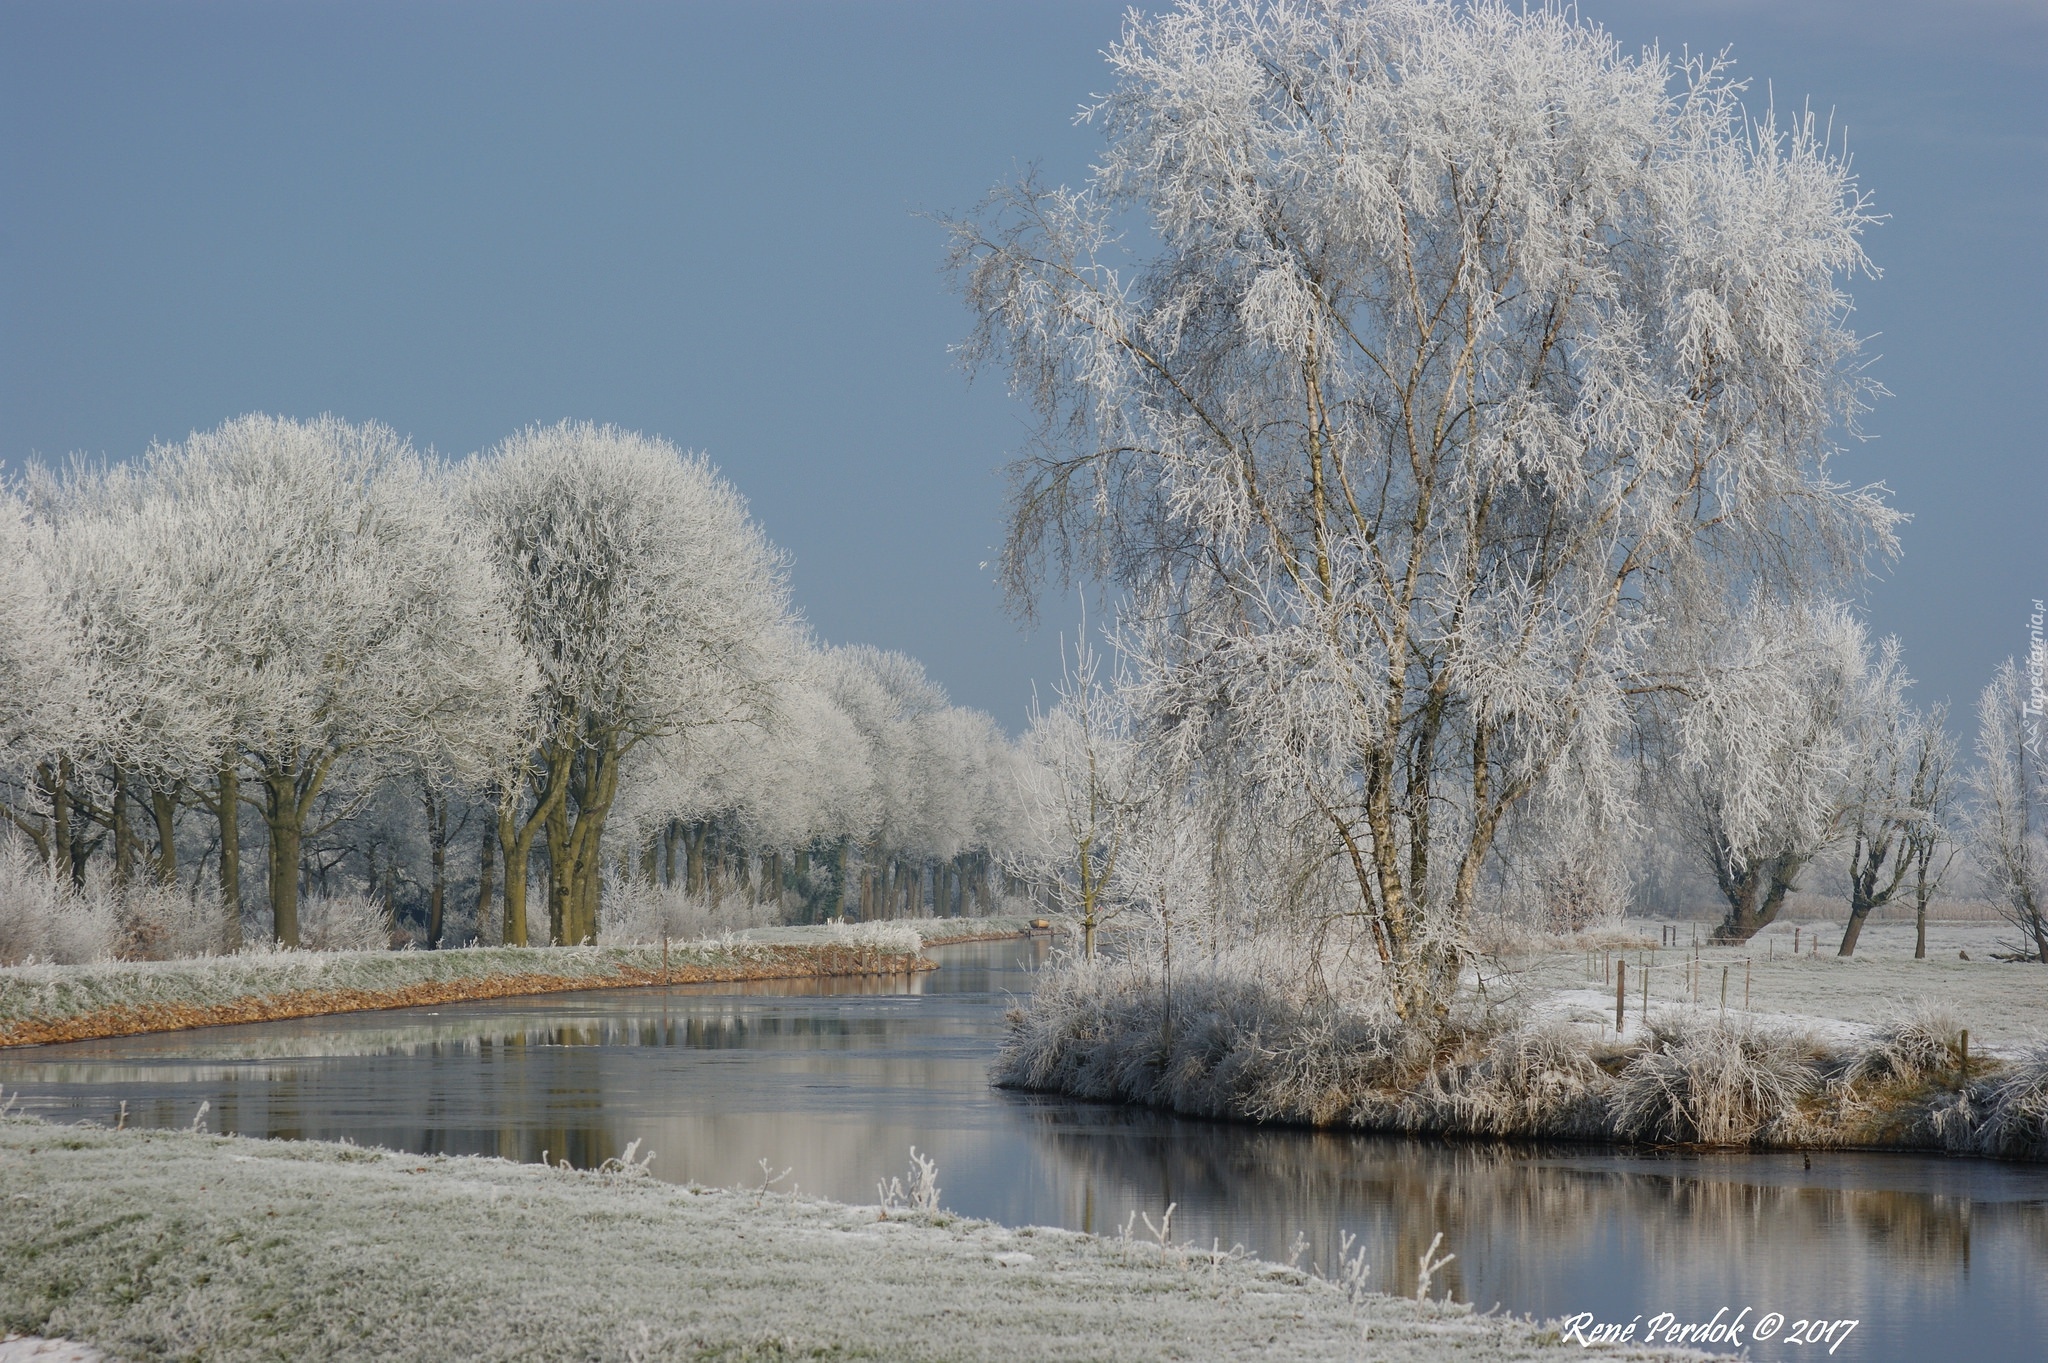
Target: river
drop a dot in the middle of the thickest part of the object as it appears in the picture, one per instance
(835, 1081)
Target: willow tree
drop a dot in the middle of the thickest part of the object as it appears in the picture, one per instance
(652, 607)
(343, 619)
(1401, 353)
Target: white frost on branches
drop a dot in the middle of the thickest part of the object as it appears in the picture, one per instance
(1459, 339)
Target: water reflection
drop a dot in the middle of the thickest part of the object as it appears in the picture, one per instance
(837, 1079)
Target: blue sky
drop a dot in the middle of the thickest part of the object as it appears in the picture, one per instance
(700, 220)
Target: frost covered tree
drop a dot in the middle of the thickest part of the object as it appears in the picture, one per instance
(1933, 837)
(1755, 748)
(1455, 336)
(2010, 807)
(42, 680)
(651, 605)
(1897, 793)
(149, 723)
(346, 622)
(1084, 791)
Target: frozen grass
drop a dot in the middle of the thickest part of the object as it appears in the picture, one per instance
(159, 995)
(2012, 1108)
(2003, 1003)
(154, 1244)
(1242, 1037)
(1703, 1082)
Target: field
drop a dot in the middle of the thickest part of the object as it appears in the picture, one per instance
(2004, 1004)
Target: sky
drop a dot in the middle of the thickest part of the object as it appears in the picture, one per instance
(710, 222)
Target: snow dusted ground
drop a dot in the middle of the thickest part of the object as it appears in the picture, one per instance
(153, 1244)
(2003, 1003)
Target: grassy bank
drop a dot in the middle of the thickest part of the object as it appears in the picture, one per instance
(178, 1245)
(1244, 1040)
(46, 1003)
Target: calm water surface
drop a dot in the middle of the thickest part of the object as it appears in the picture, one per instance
(836, 1080)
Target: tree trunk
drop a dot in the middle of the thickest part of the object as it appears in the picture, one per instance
(287, 833)
(228, 814)
(437, 844)
(1755, 893)
(515, 841)
(560, 862)
(163, 808)
(1854, 929)
(839, 870)
(486, 874)
(579, 881)
(124, 834)
(40, 831)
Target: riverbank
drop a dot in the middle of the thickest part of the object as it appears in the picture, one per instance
(155, 1244)
(1531, 1056)
(40, 1004)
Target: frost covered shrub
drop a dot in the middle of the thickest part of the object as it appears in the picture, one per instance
(43, 919)
(343, 922)
(896, 938)
(636, 913)
(1235, 1036)
(2012, 1108)
(167, 923)
(1712, 1084)
(1920, 1044)
(1533, 1081)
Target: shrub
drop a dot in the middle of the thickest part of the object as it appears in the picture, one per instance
(1920, 1044)
(42, 918)
(1534, 1081)
(343, 922)
(1710, 1083)
(2014, 1107)
(635, 913)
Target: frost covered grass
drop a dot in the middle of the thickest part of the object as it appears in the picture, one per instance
(157, 1244)
(1240, 1035)
(112, 998)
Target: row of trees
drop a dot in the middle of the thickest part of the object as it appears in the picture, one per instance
(571, 649)
(1459, 440)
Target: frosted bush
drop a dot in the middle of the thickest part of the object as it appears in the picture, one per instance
(1712, 1084)
(1922, 1043)
(1237, 1035)
(1534, 1081)
(896, 938)
(43, 919)
(166, 923)
(2014, 1108)
(343, 922)
(636, 913)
